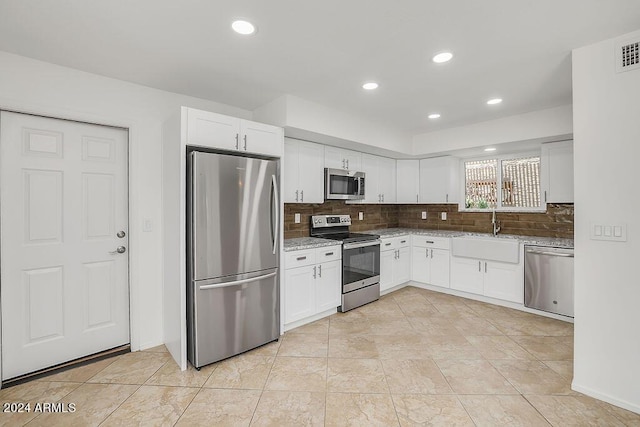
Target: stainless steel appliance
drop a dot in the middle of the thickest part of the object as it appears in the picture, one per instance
(548, 279)
(232, 257)
(360, 259)
(342, 184)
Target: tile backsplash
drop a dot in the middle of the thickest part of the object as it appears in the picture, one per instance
(557, 221)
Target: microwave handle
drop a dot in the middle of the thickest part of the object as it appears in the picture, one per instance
(359, 185)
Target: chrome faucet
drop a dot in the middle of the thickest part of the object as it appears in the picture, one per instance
(496, 224)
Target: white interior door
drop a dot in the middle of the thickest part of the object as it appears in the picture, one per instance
(63, 207)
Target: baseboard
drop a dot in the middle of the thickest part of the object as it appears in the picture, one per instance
(302, 322)
(606, 398)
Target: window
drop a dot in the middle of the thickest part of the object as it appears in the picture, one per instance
(519, 188)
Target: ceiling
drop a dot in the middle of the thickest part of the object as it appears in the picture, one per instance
(518, 50)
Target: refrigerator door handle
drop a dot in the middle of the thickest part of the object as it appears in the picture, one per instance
(276, 226)
(237, 282)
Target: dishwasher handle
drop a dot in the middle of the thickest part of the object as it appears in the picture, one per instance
(560, 254)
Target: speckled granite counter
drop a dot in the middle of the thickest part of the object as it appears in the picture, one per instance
(307, 243)
(527, 240)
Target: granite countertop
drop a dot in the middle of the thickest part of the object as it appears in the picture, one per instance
(527, 240)
(299, 243)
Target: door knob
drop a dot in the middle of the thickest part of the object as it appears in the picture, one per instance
(121, 234)
(119, 250)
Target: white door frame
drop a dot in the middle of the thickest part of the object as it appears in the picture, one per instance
(132, 180)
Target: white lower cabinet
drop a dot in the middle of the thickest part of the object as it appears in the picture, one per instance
(493, 279)
(312, 282)
(395, 262)
(430, 260)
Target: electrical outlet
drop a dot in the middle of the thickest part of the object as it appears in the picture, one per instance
(296, 218)
(443, 216)
(424, 215)
(360, 216)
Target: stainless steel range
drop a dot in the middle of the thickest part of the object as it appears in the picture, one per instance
(360, 259)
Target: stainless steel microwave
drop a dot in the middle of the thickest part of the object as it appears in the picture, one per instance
(342, 184)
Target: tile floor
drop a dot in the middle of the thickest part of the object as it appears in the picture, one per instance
(413, 358)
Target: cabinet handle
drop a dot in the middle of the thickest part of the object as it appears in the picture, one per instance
(387, 244)
(403, 241)
(430, 242)
(314, 271)
(328, 254)
(379, 198)
(302, 195)
(447, 198)
(431, 253)
(320, 270)
(245, 143)
(383, 198)
(347, 163)
(427, 252)
(416, 198)
(545, 196)
(237, 141)
(301, 258)
(343, 164)
(485, 267)
(479, 266)
(296, 195)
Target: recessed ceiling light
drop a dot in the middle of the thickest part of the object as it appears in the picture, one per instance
(243, 27)
(434, 116)
(494, 101)
(442, 57)
(370, 86)
(490, 149)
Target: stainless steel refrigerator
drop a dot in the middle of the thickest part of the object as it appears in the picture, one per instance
(233, 297)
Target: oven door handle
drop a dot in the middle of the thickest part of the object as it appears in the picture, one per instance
(357, 245)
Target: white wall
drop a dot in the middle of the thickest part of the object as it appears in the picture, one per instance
(310, 121)
(544, 125)
(606, 109)
(37, 87)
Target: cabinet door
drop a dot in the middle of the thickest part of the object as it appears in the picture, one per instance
(387, 179)
(261, 138)
(311, 172)
(556, 170)
(402, 266)
(334, 158)
(328, 286)
(212, 130)
(290, 181)
(438, 180)
(504, 281)
(387, 260)
(299, 293)
(420, 264)
(407, 181)
(439, 260)
(371, 179)
(467, 275)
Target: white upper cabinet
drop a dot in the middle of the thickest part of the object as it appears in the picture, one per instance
(337, 158)
(231, 133)
(407, 181)
(556, 170)
(439, 179)
(303, 172)
(380, 179)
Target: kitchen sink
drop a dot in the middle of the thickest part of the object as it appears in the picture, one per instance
(486, 248)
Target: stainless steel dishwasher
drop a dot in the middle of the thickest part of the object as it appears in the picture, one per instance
(548, 279)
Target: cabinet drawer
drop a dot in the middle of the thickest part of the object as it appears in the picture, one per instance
(431, 242)
(299, 258)
(390, 243)
(329, 253)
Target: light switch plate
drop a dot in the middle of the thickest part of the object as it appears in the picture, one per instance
(424, 215)
(147, 225)
(610, 232)
(296, 218)
(443, 216)
(360, 216)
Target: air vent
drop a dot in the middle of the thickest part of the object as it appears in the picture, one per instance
(628, 57)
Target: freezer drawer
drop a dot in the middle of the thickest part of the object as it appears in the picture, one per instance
(548, 279)
(231, 315)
